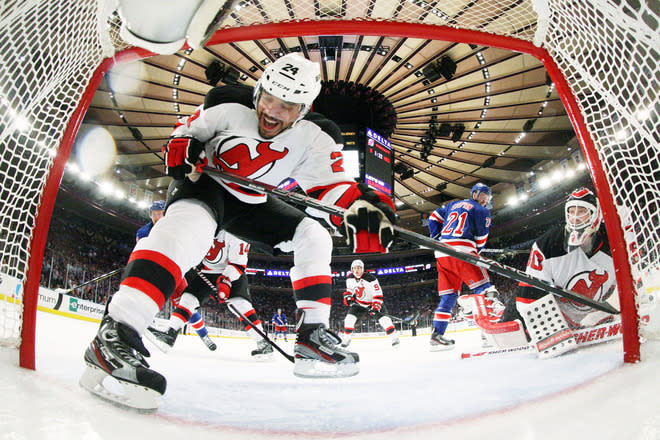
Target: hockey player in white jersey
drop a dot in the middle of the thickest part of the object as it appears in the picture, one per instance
(192, 316)
(575, 256)
(269, 142)
(364, 296)
(224, 268)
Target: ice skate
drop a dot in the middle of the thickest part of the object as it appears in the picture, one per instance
(117, 352)
(395, 342)
(439, 343)
(163, 340)
(206, 339)
(263, 352)
(346, 340)
(318, 354)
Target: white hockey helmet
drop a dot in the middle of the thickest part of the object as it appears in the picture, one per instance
(357, 263)
(291, 78)
(579, 232)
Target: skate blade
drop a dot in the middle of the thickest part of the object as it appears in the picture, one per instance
(312, 368)
(157, 342)
(263, 357)
(441, 347)
(211, 346)
(97, 381)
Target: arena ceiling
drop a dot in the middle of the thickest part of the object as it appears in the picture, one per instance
(497, 119)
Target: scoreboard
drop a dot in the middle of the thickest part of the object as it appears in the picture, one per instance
(378, 162)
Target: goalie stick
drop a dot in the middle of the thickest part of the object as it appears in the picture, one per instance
(418, 239)
(244, 318)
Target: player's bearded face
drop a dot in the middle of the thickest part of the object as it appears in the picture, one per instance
(275, 115)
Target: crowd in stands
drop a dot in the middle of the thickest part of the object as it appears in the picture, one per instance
(79, 250)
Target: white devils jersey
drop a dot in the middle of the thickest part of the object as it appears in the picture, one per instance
(228, 256)
(591, 275)
(305, 152)
(366, 289)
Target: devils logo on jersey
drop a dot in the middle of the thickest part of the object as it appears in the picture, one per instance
(359, 292)
(215, 254)
(247, 157)
(590, 284)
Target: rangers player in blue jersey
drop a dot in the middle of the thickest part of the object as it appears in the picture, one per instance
(279, 322)
(156, 212)
(463, 225)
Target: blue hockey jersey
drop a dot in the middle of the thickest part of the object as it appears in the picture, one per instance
(144, 231)
(463, 224)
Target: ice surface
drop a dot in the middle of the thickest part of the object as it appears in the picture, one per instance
(405, 392)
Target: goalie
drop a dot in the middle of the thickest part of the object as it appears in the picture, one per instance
(575, 256)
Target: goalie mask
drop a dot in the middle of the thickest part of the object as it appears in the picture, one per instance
(293, 79)
(583, 217)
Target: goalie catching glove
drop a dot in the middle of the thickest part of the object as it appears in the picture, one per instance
(184, 158)
(368, 221)
(224, 288)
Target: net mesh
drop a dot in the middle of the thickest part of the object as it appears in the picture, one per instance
(606, 51)
(49, 50)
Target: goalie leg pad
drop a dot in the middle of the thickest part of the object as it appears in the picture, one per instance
(501, 334)
(547, 327)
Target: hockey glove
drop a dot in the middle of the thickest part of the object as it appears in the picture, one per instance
(349, 299)
(224, 288)
(368, 220)
(184, 158)
(374, 309)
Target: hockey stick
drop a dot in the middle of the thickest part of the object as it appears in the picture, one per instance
(244, 318)
(405, 320)
(418, 239)
(262, 334)
(98, 278)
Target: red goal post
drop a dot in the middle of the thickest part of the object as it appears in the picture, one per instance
(601, 57)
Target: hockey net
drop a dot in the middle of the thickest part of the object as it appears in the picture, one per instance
(603, 57)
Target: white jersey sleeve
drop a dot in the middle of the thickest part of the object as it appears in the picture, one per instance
(204, 124)
(237, 257)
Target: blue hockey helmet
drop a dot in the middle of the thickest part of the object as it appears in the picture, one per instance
(158, 205)
(482, 188)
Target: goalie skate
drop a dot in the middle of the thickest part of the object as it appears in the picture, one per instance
(116, 368)
(317, 354)
(263, 352)
(164, 341)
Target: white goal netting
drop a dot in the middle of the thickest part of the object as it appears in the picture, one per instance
(606, 51)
